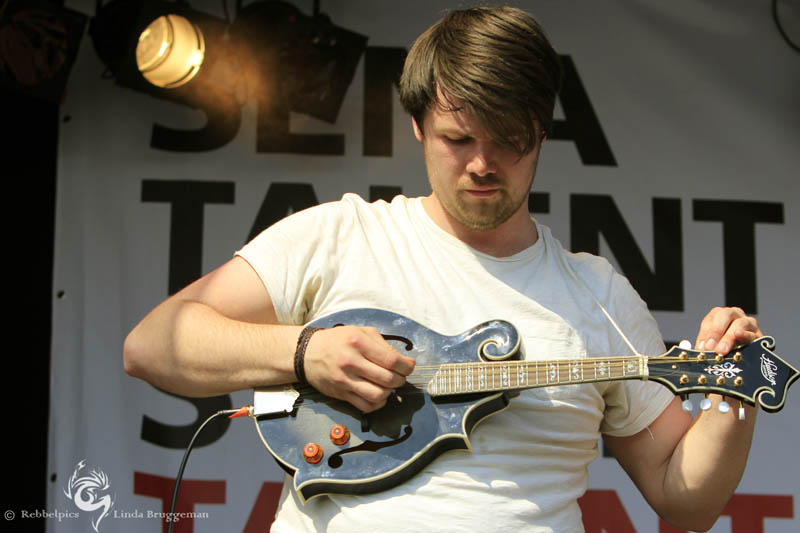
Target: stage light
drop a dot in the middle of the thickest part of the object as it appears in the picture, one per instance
(786, 14)
(151, 44)
(313, 60)
(210, 85)
(170, 51)
(38, 45)
(272, 53)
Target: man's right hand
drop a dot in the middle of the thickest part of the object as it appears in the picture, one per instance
(355, 364)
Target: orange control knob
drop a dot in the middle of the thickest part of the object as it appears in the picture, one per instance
(340, 435)
(312, 453)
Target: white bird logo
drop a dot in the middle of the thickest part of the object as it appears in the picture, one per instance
(84, 491)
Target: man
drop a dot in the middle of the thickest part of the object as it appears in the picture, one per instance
(480, 86)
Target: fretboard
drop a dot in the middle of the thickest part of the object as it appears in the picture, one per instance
(466, 378)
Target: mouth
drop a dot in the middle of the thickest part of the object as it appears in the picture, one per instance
(482, 192)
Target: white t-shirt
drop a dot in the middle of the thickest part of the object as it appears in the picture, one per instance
(529, 462)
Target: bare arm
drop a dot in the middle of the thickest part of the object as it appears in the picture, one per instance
(688, 469)
(221, 334)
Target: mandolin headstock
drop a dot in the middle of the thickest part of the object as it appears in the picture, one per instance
(753, 373)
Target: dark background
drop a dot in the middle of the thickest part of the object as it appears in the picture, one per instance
(30, 140)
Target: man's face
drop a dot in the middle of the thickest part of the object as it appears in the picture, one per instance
(477, 182)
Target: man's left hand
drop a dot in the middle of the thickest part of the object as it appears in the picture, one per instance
(726, 327)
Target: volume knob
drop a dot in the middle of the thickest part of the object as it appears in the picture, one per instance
(312, 453)
(339, 435)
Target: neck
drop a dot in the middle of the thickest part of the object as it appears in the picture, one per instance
(511, 237)
(467, 378)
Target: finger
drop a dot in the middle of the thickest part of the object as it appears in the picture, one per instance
(741, 331)
(362, 394)
(381, 353)
(714, 326)
(372, 397)
(378, 375)
(358, 402)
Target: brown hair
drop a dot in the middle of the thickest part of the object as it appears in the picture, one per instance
(496, 63)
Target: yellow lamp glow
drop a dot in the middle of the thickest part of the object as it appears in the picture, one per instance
(170, 51)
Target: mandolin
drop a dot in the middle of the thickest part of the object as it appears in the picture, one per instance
(329, 446)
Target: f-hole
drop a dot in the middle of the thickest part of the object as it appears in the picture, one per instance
(335, 460)
(408, 344)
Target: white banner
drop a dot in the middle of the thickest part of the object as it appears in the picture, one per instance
(675, 156)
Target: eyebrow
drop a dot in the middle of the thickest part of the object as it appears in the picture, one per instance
(454, 131)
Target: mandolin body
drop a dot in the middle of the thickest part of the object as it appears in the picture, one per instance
(388, 446)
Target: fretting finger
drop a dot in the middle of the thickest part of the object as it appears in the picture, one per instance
(724, 327)
(741, 331)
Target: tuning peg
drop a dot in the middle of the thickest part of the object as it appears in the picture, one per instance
(685, 345)
(741, 411)
(724, 407)
(705, 403)
(687, 403)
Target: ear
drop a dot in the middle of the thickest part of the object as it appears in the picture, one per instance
(417, 129)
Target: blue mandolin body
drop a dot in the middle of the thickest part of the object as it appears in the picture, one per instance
(388, 446)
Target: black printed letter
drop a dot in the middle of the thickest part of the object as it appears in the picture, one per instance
(739, 243)
(661, 287)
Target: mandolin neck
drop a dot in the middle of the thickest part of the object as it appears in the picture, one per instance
(477, 377)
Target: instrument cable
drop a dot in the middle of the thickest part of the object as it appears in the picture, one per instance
(230, 413)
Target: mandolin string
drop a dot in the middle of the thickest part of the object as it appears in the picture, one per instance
(426, 373)
(423, 374)
(495, 369)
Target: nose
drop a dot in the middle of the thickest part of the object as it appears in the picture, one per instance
(482, 159)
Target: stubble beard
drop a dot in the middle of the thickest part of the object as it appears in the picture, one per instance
(482, 214)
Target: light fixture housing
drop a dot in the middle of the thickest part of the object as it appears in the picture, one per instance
(284, 59)
(40, 42)
(116, 31)
(312, 59)
(150, 44)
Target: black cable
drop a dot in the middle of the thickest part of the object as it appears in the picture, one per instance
(783, 33)
(171, 515)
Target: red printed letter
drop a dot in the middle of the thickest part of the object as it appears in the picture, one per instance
(603, 511)
(266, 505)
(748, 511)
